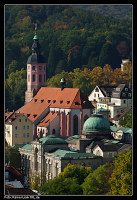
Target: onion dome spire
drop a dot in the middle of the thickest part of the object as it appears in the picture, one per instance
(35, 57)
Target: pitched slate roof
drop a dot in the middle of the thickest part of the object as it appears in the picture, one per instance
(107, 89)
(119, 93)
(106, 147)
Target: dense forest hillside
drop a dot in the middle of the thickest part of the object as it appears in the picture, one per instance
(70, 38)
(117, 11)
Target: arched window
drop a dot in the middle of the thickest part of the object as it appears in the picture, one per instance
(53, 131)
(86, 117)
(75, 125)
(40, 78)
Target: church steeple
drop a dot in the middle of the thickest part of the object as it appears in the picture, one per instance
(35, 57)
(36, 70)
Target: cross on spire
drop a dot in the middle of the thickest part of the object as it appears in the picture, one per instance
(35, 29)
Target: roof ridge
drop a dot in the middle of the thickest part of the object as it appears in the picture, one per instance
(75, 97)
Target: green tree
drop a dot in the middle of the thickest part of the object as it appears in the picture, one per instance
(97, 181)
(109, 55)
(76, 171)
(13, 66)
(35, 181)
(55, 80)
(62, 65)
(52, 61)
(121, 178)
(127, 121)
(61, 186)
(15, 88)
(13, 156)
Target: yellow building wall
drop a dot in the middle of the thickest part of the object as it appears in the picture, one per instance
(24, 131)
(21, 131)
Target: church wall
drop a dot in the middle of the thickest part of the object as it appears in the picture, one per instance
(75, 112)
(55, 125)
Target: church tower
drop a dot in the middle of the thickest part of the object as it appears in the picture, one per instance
(36, 70)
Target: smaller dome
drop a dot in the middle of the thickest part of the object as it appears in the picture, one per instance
(52, 139)
(35, 37)
(96, 123)
(62, 80)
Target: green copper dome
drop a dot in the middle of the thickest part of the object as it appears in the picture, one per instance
(51, 139)
(96, 123)
(35, 37)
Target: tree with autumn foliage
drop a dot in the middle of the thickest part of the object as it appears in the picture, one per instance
(121, 178)
(127, 72)
(96, 76)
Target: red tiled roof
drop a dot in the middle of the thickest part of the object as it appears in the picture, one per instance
(47, 120)
(33, 110)
(55, 98)
(18, 191)
(14, 174)
(8, 114)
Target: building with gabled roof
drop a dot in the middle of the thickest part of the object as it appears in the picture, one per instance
(72, 107)
(18, 129)
(101, 92)
(57, 111)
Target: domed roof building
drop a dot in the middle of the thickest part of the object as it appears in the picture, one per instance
(52, 139)
(98, 126)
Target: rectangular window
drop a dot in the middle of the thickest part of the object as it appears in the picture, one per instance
(27, 135)
(94, 95)
(117, 89)
(19, 120)
(115, 94)
(25, 120)
(33, 78)
(24, 127)
(124, 101)
(16, 127)
(16, 135)
(40, 67)
(28, 127)
(44, 78)
(40, 78)
(24, 135)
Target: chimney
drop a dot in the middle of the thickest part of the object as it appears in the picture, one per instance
(62, 81)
